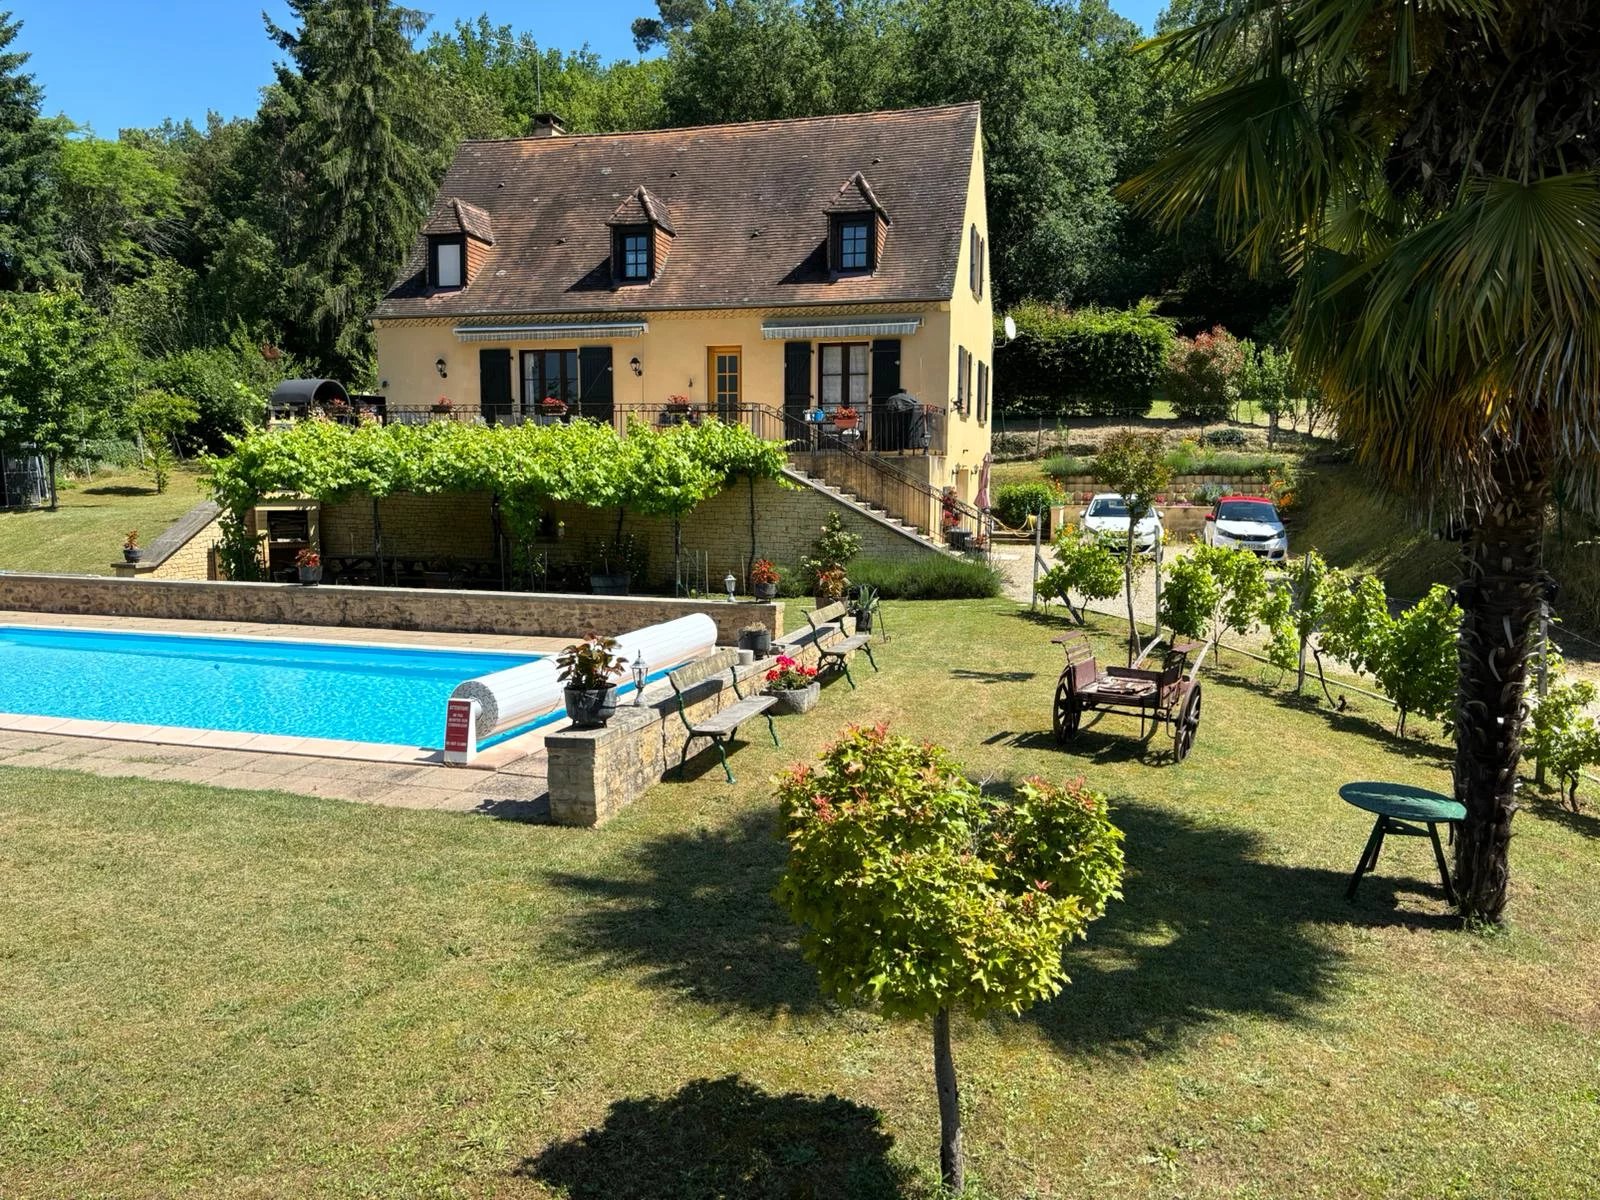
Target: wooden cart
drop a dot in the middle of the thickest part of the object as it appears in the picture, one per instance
(1165, 696)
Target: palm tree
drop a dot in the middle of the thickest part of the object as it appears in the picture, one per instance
(1426, 168)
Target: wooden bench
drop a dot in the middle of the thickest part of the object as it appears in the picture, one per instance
(720, 726)
(828, 620)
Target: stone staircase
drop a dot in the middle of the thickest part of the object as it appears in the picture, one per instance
(871, 511)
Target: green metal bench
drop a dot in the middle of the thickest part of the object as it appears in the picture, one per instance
(720, 726)
(830, 619)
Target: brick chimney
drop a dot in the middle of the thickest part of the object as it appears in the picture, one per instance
(547, 125)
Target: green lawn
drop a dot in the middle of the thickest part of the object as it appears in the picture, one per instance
(205, 993)
(85, 534)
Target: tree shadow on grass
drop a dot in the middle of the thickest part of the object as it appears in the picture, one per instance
(728, 1139)
(1209, 928)
(697, 915)
(1549, 807)
(120, 489)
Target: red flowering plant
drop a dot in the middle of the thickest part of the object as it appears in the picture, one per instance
(762, 571)
(553, 404)
(308, 558)
(790, 675)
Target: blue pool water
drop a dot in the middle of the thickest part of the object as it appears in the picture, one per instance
(298, 689)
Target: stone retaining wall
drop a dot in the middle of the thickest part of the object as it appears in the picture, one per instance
(786, 521)
(438, 609)
(1081, 487)
(596, 773)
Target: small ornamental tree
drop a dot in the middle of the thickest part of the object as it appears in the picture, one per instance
(1266, 379)
(1562, 737)
(1294, 611)
(830, 555)
(1417, 664)
(1084, 565)
(1131, 464)
(161, 419)
(922, 894)
(1212, 591)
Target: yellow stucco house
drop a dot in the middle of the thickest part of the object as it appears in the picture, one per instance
(774, 272)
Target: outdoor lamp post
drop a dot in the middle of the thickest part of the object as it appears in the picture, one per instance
(640, 671)
(729, 583)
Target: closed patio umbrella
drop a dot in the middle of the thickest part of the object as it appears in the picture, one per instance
(982, 499)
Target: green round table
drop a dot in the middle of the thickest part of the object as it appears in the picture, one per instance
(1404, 811)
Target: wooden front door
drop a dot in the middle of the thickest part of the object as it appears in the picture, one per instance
(725, 381)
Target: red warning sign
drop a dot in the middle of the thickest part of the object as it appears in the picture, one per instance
(458, 725)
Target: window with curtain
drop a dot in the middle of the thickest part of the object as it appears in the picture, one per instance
(843, 374)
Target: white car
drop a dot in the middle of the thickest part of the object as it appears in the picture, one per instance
(1107, 516)
(1248, 523)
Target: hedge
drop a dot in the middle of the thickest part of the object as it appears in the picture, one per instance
(1085, 362)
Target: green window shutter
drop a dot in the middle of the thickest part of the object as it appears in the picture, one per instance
(494, 384)
(796, 377)
(596, 394)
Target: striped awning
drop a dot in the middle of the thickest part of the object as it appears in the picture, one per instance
(598, 330)
(836, 327)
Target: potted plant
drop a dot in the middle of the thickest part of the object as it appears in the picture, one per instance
(795, 685)
(614, 572)
(764, 579)
(552, 408)
(757, 639)
(831, 583)
(679, 403)
(130, 547)
(444, 405)
(588, 670)
(309, 563)
(846, 417)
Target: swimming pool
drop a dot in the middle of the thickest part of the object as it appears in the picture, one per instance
(348, 691)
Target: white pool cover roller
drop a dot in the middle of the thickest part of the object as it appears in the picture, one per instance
(519, 695)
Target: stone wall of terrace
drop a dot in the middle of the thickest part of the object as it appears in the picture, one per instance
(439, 609)
(596, 773)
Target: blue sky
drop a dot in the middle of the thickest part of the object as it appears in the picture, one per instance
(118, 63)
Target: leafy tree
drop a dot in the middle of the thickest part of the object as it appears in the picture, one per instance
(118, 212)
(673, 16)
(1294, 611)
(229, 386)
(1431, 176)
(62, 376)
(1083, 565)
(1131, 464)
(161, 419)
(28, 151)
(1417, 661)
(922, 894)
(367, 137)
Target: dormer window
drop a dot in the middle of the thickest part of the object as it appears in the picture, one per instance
(641, 238)
(855, 244)
(459, 237)
(857, 227)
(633, 253)
(447, 265)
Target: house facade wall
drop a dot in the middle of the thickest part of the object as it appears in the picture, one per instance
(971, 326)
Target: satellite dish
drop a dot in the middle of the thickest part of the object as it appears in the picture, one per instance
(1011, 329)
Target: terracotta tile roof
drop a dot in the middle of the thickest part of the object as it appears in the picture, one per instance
(453, 215)
(746, 201)
(856, 195)
(642, 208)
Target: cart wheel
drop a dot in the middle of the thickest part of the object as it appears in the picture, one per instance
(1068, 707)
(1187, 727)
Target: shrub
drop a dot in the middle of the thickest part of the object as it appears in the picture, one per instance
(1562, 737)
(1014, 503)
(1064, 465)
(1203, 375)
(831, 552)
(1212, 591)
(1227, 435)
(1087, 362)
(1412, 656)
(930, 577)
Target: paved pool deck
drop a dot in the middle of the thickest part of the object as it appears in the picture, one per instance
(509, 780)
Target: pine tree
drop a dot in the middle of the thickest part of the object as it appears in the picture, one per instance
(27, 148)
(365, 146)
